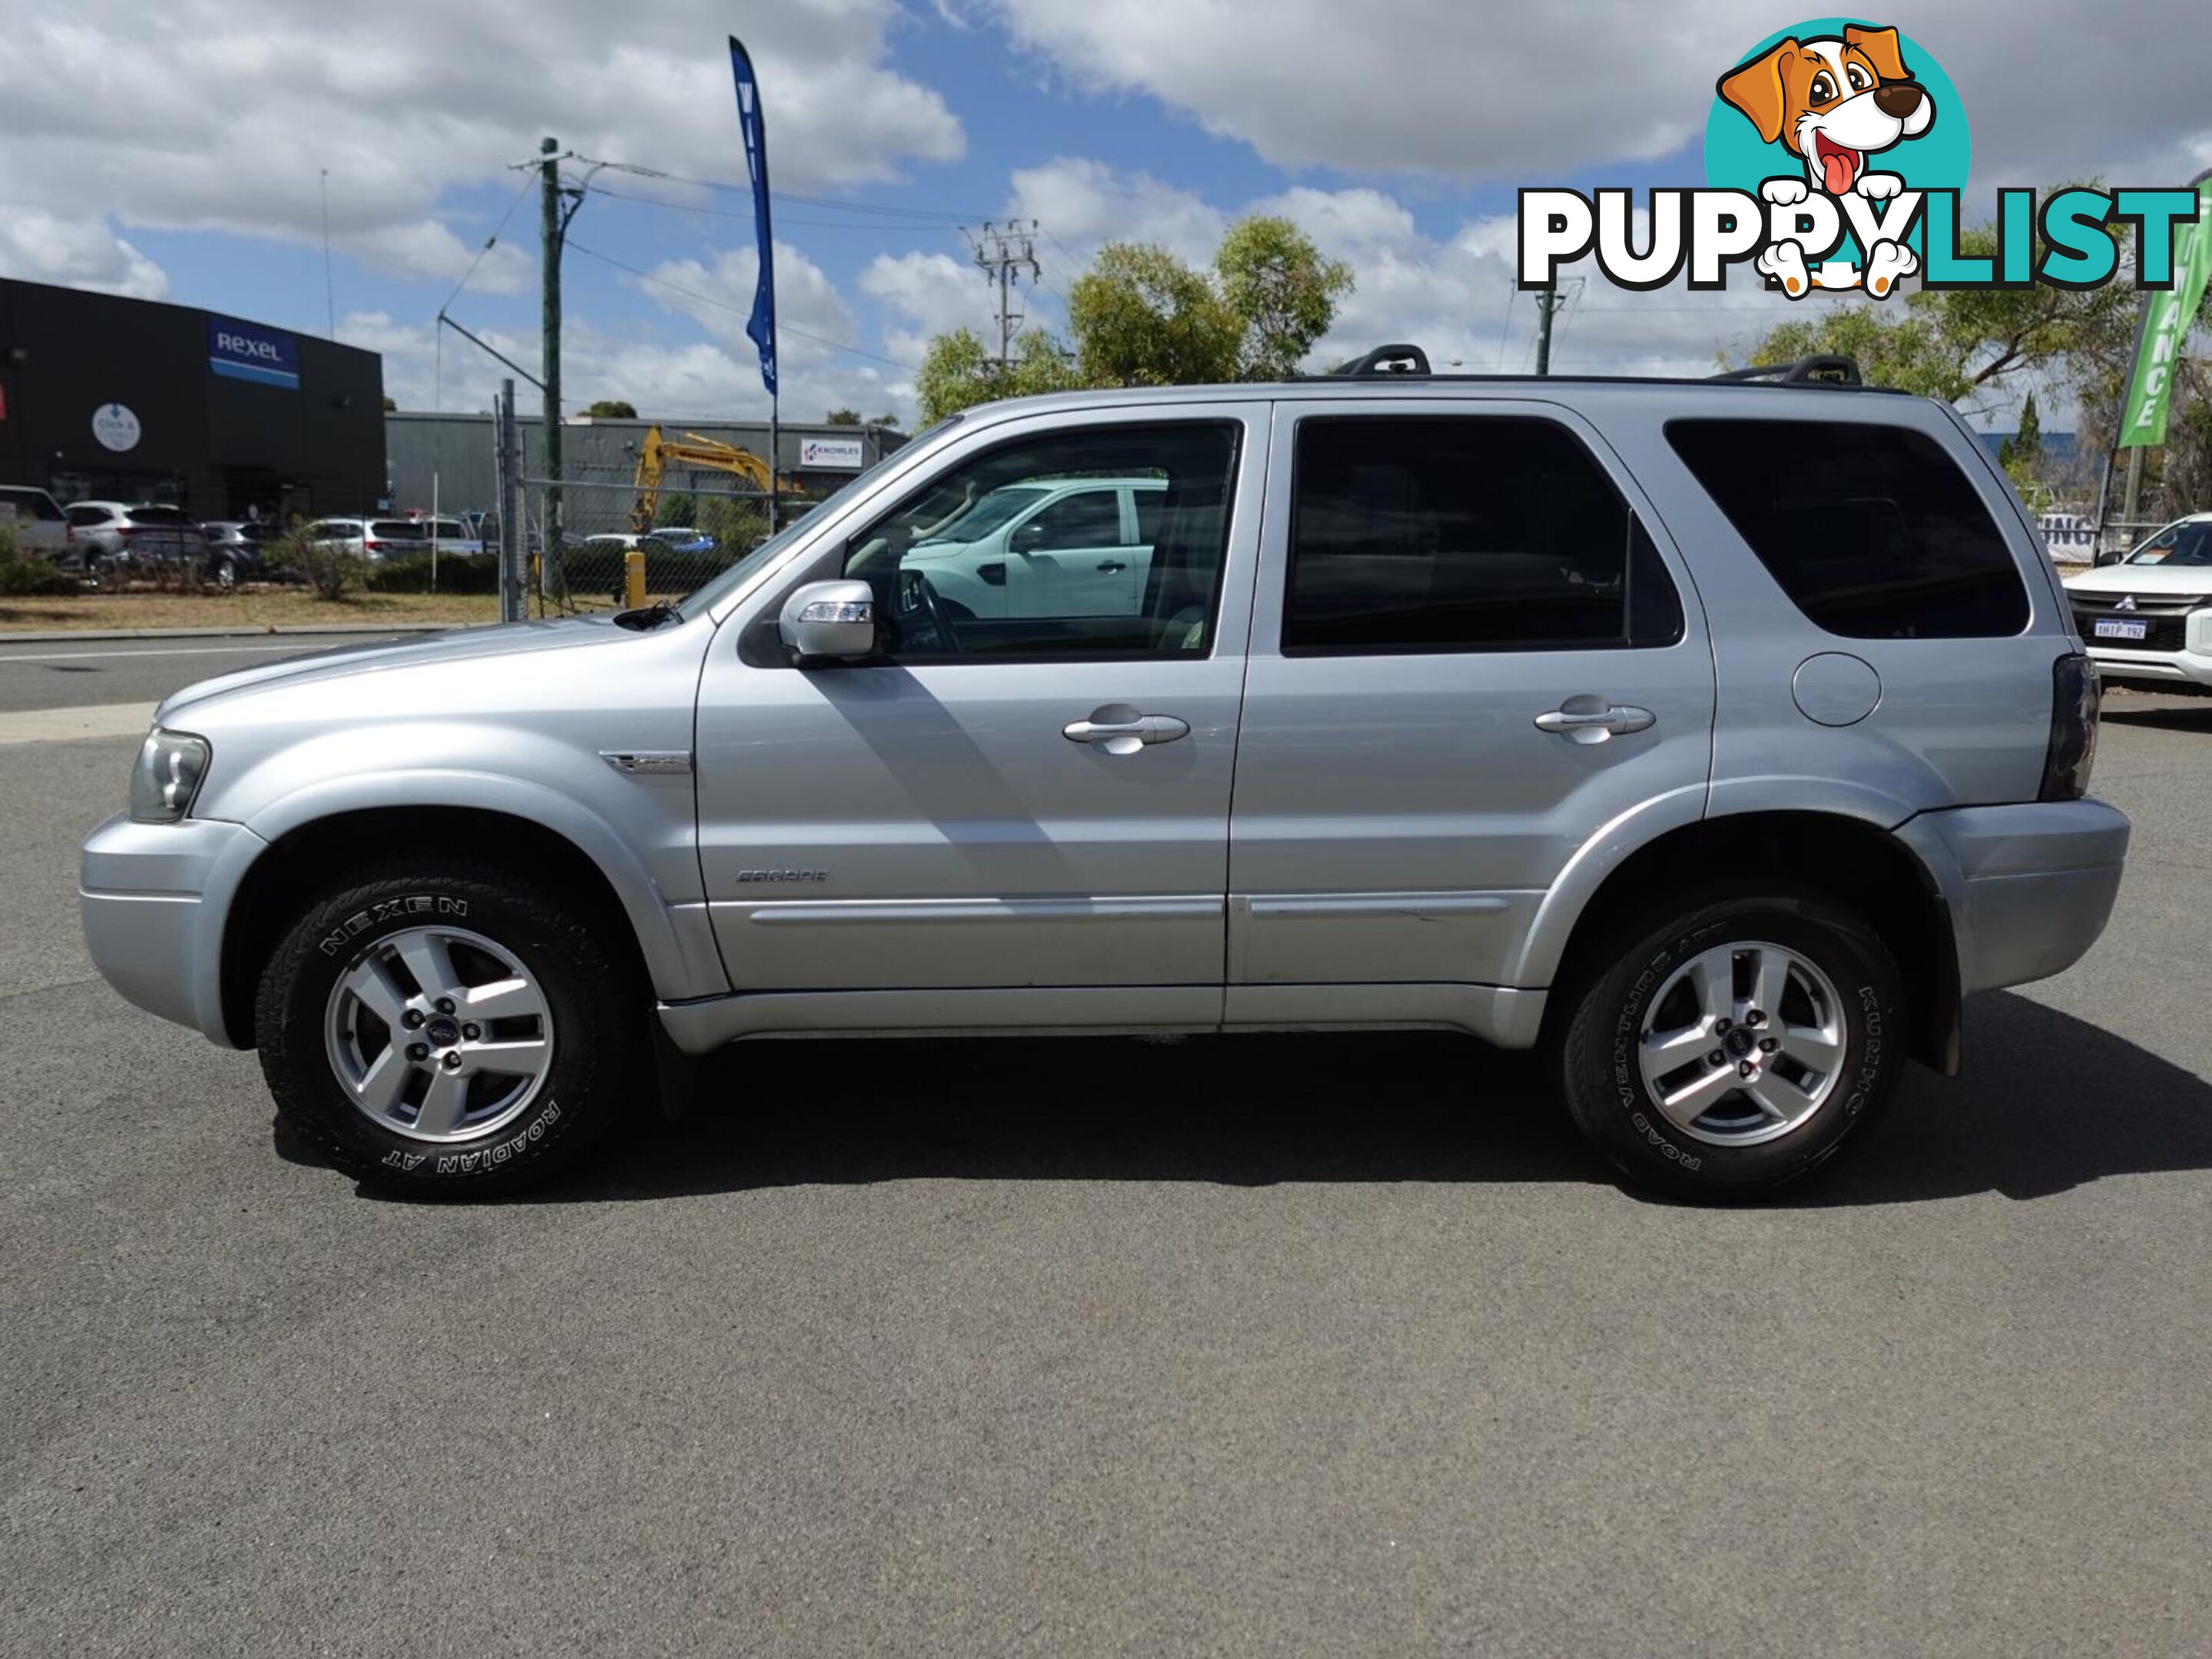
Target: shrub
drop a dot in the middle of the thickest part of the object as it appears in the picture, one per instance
(24, 574)
(332, 571)
(458, 572)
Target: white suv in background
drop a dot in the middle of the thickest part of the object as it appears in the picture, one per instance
(2147, 620)
(1075, 547)
(35, 517)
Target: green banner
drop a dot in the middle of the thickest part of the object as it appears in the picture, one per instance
(2166, 326)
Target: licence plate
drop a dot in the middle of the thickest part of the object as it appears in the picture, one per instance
(2109, 627)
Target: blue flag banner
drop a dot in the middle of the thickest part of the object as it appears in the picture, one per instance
(761, 329)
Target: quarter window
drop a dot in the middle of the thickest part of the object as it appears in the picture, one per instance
(1871, 531)
(1464, 533)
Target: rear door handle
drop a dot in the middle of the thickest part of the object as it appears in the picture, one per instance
(1593, 720)
(1112, 566)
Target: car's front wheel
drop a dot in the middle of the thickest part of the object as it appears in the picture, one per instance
(440, 1028)
(1735, 1045)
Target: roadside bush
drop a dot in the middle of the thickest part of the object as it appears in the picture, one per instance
(24, 574)
(458, 572)
(331, 572)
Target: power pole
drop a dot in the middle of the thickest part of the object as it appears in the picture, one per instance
(553, 226)
(1547, 302)
(1001, 254)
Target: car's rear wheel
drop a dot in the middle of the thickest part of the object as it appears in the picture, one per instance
(440, 1028)
(1735, 1045)
(223, 570)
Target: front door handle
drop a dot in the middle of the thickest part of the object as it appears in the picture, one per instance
(1112, 566)
(1122, 731)
(1593, 720)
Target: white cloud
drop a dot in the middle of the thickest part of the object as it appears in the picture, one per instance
(931, 293)
(1084, 202)
(1530, 94)
(222, 114)
(83, 253)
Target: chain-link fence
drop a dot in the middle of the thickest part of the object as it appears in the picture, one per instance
(688, 532)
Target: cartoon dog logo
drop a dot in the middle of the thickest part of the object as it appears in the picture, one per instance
(1832, 102)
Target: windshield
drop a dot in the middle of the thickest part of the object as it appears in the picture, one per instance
(704, 598)
(2182, 544)
(994, 510)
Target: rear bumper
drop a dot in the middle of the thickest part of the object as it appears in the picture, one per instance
(2030, 887)
(152, 899)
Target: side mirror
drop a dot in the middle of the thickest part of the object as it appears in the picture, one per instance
(1027, 538)
(830, 622)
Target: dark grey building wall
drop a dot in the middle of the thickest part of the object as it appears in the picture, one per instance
(213, 444)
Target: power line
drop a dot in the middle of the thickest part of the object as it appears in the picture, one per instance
(743, 187)
(781, 220)
(736, 311)
(529, 183)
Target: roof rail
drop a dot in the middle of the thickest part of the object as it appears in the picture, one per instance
(1828, 369)
(1387, 360)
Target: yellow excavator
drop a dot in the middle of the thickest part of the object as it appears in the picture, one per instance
(657, 454)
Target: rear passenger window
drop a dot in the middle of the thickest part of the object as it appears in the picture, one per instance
(1873, 531)
(1464, 533)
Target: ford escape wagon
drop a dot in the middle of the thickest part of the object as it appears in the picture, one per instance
(1719, 738)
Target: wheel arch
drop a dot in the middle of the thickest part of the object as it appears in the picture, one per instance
(302, 855)
(1862, 864)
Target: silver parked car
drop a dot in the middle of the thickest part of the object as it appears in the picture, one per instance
(1719, 738)
(126, 537)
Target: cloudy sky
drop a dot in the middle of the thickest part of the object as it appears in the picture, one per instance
(177, 150)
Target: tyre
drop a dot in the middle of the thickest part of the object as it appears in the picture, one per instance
(1734, 1045)
(440, 1028)
(222, 571)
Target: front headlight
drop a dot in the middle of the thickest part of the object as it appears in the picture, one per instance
(170, 769)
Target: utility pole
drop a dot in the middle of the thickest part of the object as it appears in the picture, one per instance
(1000, 255)
(553, 226)
(1547, 302)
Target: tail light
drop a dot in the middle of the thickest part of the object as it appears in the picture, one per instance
(372, 547)
(2073, 749)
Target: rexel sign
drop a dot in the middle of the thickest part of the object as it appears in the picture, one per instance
(243, 352)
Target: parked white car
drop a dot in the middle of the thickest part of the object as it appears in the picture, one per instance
(376, 539)
(1075, 547)
(35, 517)
(2147, 620)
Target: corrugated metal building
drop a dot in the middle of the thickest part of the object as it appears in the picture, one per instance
(452, 455)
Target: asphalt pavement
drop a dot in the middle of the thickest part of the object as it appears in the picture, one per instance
(1253, 1346)
(56, 673)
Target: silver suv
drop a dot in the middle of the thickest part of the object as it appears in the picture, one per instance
(1718, 739)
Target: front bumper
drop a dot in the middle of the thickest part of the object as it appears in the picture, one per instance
(153, 899)
(2030, 887)
(2183, 668)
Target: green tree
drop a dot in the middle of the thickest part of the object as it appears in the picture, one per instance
(2021, 456)
(1957, 344)
(842, 418)
(1274, 281)
(676, 508)
(959, 371)
(1140, 316)
(390, 407)
(611, 408)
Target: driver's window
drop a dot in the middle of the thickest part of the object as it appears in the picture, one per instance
(953, 571)
(1091, 518)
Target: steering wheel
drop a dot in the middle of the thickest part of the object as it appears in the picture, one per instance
(916, 594)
